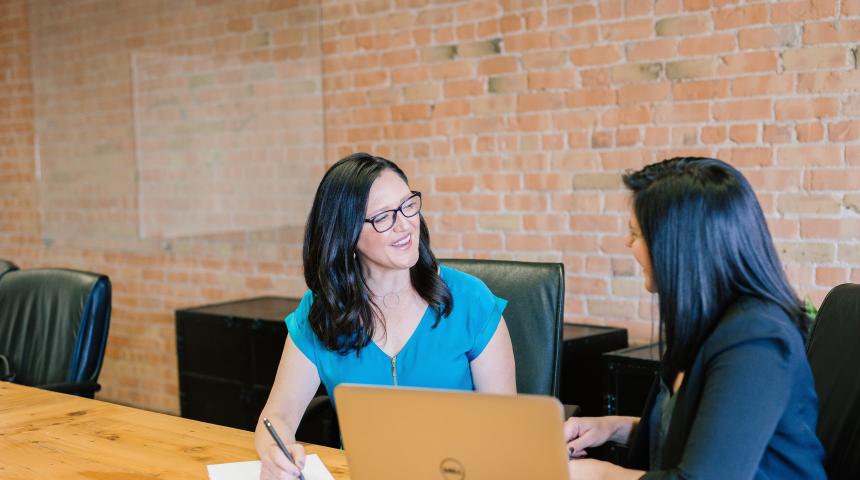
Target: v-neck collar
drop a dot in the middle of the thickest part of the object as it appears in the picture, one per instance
(409, 341)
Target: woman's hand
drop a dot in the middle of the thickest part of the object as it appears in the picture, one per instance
(586, 432)
(275, 466)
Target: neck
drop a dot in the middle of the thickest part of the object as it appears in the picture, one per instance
(382, 282)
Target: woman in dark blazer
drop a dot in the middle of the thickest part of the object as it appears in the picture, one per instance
(735, 397)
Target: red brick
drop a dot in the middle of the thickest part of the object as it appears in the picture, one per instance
(747, 156)
(678, 112)
(801, 108)
(829, 228)
(822, 155)
(762, 85)
(683, 25)
(577, 36)
(840, 179)
(542, 60)
(527, 242)
(659, 49)
(590, 97)
(713, 134)
(642, 93)
(844, 131)
(740, 17)
(830, 32)
(777, 134)
(461, 183)
(809, 132)
(707, 45)
(768, 37)
(626, 116)
(700, 90)
(595, 55)
(498, 65)
(526, 41)
(565, 79)
(800, 10)
(743, 110)
(811, 58)
(748, 63)
(744, 133)
(827, 82)
(627, 30)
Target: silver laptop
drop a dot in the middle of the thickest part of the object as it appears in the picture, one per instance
(422, 434)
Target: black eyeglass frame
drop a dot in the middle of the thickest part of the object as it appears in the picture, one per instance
(395, 211)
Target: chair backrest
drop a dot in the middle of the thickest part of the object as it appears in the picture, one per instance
(534, 315)
(834, 355)
(54, 324)
(6, 266)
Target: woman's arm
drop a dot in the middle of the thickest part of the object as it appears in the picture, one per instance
(296, 383)
(493, 371)
(747, 387)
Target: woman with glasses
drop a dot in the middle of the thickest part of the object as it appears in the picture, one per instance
(379, 309)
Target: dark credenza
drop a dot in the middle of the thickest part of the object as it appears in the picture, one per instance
(582, 373)
(228, 355)
(629, 375)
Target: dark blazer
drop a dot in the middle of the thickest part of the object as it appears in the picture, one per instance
(746, 408)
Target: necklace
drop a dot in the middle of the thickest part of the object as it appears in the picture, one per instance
(390, 299)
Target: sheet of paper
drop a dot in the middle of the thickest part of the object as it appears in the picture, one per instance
(314, 470)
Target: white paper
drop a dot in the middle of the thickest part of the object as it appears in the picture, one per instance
(314, 470)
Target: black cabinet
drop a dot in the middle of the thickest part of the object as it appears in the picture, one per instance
(228, 355)
(629, 374)
(581, 366)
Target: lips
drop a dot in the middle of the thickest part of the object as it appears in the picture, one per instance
(403, 242)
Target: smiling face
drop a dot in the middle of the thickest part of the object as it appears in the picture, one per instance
(636, 243)
(396, 248)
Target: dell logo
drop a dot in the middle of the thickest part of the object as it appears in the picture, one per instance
(452, 469)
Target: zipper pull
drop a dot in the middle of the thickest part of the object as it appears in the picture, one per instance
(394, 369)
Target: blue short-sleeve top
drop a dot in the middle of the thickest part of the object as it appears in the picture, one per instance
(432, 357)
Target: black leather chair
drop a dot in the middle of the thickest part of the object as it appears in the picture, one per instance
(534, 316)
(54, 327)
(6, 266)
(834, 355)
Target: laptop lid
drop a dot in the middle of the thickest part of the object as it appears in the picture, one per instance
(422, 434)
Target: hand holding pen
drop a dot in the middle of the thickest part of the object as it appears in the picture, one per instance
(297, 463)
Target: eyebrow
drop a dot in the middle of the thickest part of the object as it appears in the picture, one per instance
(384, 209)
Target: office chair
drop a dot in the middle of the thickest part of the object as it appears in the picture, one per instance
(6, 266)
(54, 327)
(534, 316)
(834, 346)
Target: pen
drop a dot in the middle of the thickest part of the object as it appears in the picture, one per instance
(281, 445)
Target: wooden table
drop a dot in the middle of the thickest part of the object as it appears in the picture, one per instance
(47, 435)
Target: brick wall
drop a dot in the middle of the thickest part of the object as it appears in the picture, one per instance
(515, 118)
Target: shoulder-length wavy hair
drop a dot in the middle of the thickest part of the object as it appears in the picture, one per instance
(343, 310)
(709, 244)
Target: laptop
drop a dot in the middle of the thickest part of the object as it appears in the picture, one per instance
(423, 434)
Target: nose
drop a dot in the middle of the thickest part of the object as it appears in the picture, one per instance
(401, 223)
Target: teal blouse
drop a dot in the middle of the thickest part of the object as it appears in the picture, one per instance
(432, 357)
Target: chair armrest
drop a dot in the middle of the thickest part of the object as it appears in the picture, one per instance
(571, 411)
(81, 389)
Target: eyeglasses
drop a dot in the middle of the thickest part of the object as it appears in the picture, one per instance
(383, 221)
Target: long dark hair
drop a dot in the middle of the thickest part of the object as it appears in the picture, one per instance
(343, 309)
(709, 244)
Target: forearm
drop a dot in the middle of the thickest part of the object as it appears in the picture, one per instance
(263, 439)
(624, 427)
